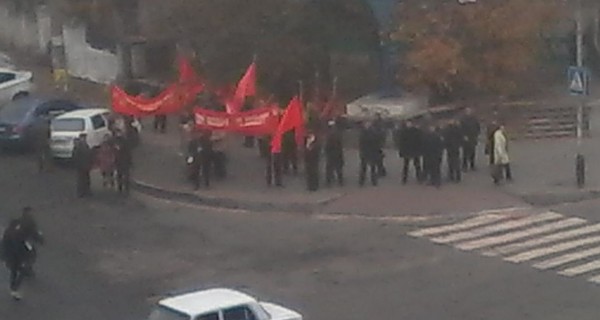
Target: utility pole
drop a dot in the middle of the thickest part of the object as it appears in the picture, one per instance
(580, 159)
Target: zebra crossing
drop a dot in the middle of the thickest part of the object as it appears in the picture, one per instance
(546, 240)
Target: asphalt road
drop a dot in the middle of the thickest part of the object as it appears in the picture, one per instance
(109, 258)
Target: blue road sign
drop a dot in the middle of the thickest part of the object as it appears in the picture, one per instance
(579, 79)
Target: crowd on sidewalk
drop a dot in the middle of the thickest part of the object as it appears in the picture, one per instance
(421, 145)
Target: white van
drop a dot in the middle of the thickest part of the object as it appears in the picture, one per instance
(66, 127)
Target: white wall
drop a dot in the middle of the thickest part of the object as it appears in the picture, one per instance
(85, 62)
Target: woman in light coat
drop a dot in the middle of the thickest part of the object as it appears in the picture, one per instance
(501, 158)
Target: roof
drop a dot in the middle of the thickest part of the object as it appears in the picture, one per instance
(83, 113)
(199, 302)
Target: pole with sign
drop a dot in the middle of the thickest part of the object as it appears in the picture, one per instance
(578, 85)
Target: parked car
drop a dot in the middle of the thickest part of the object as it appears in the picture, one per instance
(66, 127)
(14, 84)
(18, 118)
(219, 304)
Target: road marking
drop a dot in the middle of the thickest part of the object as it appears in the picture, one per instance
(539, 241)
(498, 227)
(564, 259)
(584, 268)
(470, 223)
(594, 279)
(510, 237)
(529, 255)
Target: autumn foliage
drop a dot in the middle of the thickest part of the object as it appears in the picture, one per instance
(487, 46)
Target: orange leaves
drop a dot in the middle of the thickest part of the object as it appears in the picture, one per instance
(485, 46)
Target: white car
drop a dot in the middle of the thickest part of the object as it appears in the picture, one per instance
(68, 126)
(14, 84)
(219, 304)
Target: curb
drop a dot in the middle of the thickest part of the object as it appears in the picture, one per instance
(228, 203)
(556, 198)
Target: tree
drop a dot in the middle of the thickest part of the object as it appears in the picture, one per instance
(484, 47)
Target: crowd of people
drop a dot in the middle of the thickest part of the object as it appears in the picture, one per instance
(113, 158)
(422, 145)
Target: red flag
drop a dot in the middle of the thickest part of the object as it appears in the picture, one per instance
(186, 71)
(293, 118)
(246, 87)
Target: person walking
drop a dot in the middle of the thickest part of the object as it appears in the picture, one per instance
(501, 159)
(334, 155)
(83, 157)
(453, 139)
(369, 154)
(471, 129)
(123, 163)
(32, 237)
(312, 154)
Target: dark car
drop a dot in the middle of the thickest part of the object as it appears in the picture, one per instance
(18, 119)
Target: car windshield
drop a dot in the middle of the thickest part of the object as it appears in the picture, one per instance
(67, 125)
(16, 110)
(164, 313)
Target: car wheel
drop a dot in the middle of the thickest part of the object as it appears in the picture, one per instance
(19, 95)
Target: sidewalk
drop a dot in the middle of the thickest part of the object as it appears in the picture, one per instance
(159, 170)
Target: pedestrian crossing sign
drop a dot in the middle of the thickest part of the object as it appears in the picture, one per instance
(578, 81)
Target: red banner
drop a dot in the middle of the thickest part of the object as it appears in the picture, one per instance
(262, 121)
(167, 102)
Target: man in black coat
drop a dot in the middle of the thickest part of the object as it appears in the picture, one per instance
(378, 127)
(289, 153)
(83, 157)
(272, 162)
(312, 154)
(42, 143)
(123, 163)
(408, 142)
(453, 138)
(369, 153)
(471, 130)
(433, 152)
(334, 155)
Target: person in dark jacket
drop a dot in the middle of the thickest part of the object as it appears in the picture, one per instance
(14, 254)
(123, 163)
(312, 154)
(193, 161)
(334, 155)
(289, 153)
(272, 162)
(42, 144)
(206, 156)
(18, 249)
(471, 130)
(381, 134)
(160, 123)
(32, 236)
(408, 142)
(83, 157)
(368, 153)
(432, 155)
(453, 139)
